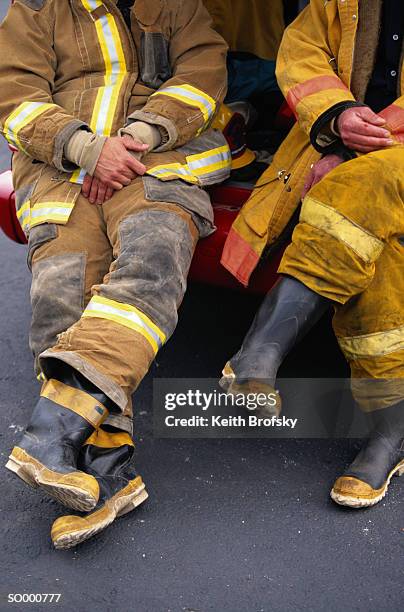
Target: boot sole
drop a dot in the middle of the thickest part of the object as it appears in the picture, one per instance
(36, 475)
(117, 506)
(358, 502)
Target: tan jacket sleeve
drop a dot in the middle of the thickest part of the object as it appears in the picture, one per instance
(186, 104)
(29, 119)
(306, 75)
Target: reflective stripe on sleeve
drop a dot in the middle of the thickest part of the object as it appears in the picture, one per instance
(115, 72)
(24, 114)
(192, 96)
(197, 167)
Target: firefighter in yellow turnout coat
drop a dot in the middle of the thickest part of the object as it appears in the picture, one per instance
(110, 102)
(340, 68)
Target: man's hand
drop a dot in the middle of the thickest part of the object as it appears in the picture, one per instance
(320, 170)
(95, 191)
(116, 167)
(362, 130)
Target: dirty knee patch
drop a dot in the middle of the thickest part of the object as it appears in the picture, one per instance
(190, 197)
(156, 248)
(57, 297)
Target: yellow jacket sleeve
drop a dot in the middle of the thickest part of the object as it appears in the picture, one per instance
(29, 119)
(185, 105)
(306, 75)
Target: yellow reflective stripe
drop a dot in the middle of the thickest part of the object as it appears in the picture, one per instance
(45, 212)
(176, 169)
(102, 300)
(21, 213)
(190, 95)
(197, 166)
(373, 345)
(211, 161)
(115, 72)
(23, 114)
(128, 316)
(330, 221)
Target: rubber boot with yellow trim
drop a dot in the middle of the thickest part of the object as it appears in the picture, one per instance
(67, 413)
(107, 456)
(287, 313)
(367, 479)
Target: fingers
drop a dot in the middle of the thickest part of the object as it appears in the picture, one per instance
(135, 165)
(109, 193)
(134, 145)
(85, 189)
(368, 129)
(359, 143)
(370, 117)
(102, 190)
(92, 197)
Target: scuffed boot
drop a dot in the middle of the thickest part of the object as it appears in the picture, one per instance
(366, 481)
(67, 413)
(108, 458)
(286, 315)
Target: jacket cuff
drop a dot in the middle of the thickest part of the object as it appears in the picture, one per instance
(60, 161)
(167, 129)
(143, 132)
(323, 139)
(84, 149)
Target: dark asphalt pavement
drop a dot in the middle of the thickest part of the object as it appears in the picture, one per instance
(230, 525)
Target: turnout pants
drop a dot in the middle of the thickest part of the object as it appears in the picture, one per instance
(106, 287)
(349, 247)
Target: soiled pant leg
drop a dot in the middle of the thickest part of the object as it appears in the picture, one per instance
(133, 311)
(370, 331)
(66, 261)
(349, 248)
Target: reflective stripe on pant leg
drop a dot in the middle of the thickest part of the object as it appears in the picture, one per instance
(347, 218)
(370, 331)
(148, 279)
(139, 298)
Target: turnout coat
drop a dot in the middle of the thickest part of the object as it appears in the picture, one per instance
(326, 59)
(69, 64)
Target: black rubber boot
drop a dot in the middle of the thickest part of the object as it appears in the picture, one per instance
(107, 456)
(366, 480)
(286, 315)
(69, 410)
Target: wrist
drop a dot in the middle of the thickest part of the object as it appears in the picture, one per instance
(84, 149)
(144, 133)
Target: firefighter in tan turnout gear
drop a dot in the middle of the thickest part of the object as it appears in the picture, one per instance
(340, 67)
(107, 103)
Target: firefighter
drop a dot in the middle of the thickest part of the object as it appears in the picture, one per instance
(340, 68)
(107, 103)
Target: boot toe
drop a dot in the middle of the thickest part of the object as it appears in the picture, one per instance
(69, 531)
(355, 493)
(75, 490)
